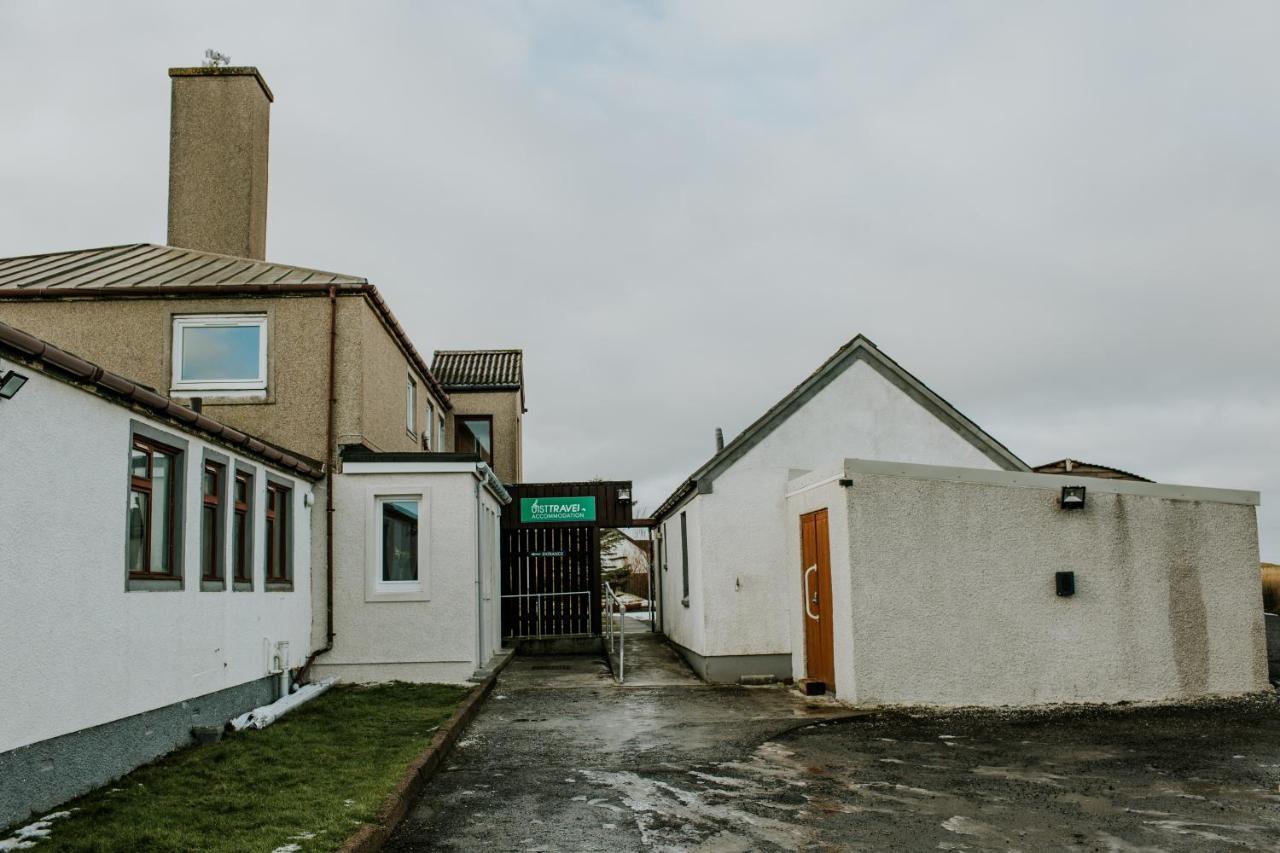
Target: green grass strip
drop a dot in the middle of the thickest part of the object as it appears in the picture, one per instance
(308, 780)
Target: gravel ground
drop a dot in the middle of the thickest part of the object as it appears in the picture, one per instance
(563, 759)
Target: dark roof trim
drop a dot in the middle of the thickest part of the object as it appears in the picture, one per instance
(357, 453)
(221, 290)
(454, 388)
(31, 350)
(859, 349)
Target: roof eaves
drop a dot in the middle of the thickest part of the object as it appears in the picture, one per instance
(44, 355)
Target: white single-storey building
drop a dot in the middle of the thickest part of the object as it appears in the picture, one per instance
(416, 557)
(1168, 601)
(942, 585)
(722, 536)
(154, 573)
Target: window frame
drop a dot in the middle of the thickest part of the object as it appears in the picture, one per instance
(182, 322)
(239, 582)
(376, 589)
(218, 549)
(428, 435)
(156, 440)
(411, 414)
(273, 525)
(493, 444)
(684, 557)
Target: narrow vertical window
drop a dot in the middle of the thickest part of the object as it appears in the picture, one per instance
(242, 529)
(211, 538)
(684, 555)
(411, 393)
(277, 530)
(427, 443)
(152, 510)
(399, 540)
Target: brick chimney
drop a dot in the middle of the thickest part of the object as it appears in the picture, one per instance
(218, 128)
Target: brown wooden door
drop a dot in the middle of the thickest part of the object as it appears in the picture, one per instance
(815, 586)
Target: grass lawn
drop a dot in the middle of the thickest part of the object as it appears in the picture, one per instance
(307, 780)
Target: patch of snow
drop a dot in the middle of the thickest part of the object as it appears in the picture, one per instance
(962, 825)
(302, 836)
(892, 761)
(288, 848)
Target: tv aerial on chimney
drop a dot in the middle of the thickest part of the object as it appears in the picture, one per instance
(215, 59)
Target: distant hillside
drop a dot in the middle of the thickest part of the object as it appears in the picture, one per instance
(1271, 587)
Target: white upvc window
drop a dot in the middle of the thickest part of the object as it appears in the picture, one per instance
(411, 392)
(427, 433)
(397, 533)
(219, 353)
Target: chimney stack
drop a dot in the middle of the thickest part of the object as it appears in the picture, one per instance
(218, 128)
(719, 439)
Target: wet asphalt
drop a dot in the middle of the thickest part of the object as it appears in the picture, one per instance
(563, 758)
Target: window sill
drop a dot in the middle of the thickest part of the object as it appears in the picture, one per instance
(222, 396)
(212, 585)
(153, 583)
(242, 586)
(279, 586)
(406, 591)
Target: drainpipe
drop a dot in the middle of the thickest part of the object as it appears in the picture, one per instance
(328, 485)
(480, 662)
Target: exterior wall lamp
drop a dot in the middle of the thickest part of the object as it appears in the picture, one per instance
(1072, 497)
(10, 384)
(624, 494)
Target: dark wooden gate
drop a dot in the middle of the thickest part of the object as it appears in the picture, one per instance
(551, 570)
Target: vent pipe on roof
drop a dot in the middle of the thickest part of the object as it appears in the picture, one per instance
(218, 128)
(719, 439)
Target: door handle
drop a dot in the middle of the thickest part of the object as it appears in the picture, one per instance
(810, 597)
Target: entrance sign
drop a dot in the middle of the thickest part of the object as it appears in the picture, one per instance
(539, 510)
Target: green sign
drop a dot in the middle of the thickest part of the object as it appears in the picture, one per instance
(535, 510)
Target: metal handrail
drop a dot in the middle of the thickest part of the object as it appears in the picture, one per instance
(610, 599)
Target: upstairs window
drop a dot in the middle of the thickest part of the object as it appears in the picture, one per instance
(154, 512)
(412, 396)
(226, 352)
(279, 556)
(427, 443)
(474, 434)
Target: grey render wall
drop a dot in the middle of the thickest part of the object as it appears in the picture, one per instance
(37, 777)
(953, 600)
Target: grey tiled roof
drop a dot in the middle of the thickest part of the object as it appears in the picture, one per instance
(144, 265)
(479, 369)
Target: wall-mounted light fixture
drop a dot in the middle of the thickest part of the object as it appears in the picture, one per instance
(1072, 497)
(10, 384)
(1064, 583)
(624, 494)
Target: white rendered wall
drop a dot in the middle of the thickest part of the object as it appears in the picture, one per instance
(743, 529)
(684, 625)
(431, 640)
(78, 650)
(953, 600)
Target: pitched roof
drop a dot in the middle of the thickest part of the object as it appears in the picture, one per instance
(146, 265)
(479, 369)
(859, 349)
(144, 270)
(29, 349)
(1076, 468)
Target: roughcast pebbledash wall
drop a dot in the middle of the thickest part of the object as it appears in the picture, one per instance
(944, 593)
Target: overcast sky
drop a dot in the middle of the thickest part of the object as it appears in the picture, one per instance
(1064, 218)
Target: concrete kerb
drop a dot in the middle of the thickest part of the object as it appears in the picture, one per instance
(371, 837)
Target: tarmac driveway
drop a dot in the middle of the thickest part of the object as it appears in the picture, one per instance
(561, 758)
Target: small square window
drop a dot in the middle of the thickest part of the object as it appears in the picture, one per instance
(213, 353)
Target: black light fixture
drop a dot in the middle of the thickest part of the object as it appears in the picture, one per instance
(10, 384)
(624, 494)
(1064, 583)
(1072, 497)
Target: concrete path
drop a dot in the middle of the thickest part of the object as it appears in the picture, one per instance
(564, 758)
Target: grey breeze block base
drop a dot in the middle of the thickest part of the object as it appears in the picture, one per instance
(39, 776)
